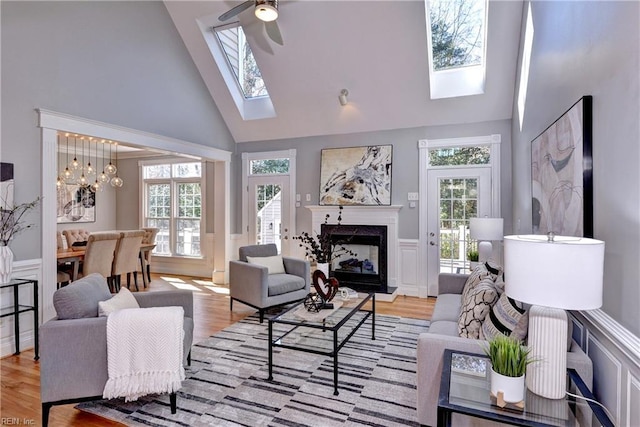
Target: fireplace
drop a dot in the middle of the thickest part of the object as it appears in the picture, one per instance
(365, 268)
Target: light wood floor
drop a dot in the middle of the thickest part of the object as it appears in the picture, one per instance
(20, 375)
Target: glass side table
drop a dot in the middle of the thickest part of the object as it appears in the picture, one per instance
(16, 309)
(465, 389)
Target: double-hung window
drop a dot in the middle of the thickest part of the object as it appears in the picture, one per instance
(173, 200)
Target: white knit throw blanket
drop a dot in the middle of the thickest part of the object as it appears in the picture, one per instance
(144, 352)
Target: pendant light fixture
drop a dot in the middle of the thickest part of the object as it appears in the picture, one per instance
(116, 181)
(103, 177)
(67, 174)
(82, 181)
(90, 170)
(75, 164)
(110, 168)
(97, 185)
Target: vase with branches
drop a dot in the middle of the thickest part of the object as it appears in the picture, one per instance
(11, 223)
(320, 248)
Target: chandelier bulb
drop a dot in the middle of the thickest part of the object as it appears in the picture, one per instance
(110, 169)
(103, 177)
(116, 181)
(67, 174)
(75, 164)
(82, 180)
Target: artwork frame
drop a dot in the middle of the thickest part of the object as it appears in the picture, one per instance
(358, 176)
(75, 204)
(562, 174)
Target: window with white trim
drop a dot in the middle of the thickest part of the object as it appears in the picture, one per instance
(173, 202)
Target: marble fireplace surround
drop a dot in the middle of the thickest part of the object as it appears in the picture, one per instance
(367, 215)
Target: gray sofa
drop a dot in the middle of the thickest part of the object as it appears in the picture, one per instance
(252, 284)
(73, 346)
(443, 334)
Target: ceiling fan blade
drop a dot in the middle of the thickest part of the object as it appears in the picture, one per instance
(273, 31)
(236, 10)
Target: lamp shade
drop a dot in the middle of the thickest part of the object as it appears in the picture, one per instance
(486, 228)
(564, 273)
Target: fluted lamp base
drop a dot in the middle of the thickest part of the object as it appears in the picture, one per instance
(547, 376)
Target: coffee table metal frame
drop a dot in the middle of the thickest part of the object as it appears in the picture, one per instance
(337, 345)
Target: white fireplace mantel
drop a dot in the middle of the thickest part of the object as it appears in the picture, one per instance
(365, 215)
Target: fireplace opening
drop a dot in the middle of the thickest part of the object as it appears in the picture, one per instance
(365, 268)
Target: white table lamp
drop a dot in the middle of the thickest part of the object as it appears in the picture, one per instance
(554, 274)
(484, 230)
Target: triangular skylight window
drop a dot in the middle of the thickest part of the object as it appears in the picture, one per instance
(241, 60)
(456, 32)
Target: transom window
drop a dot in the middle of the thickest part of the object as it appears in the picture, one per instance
(458, 156)
(241, 60)
(173, 203)
(269, 166)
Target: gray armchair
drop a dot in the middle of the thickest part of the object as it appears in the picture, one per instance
(73, 346)
(251, 284)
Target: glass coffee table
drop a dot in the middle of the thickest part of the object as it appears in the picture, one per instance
(323, 333)
(465, 389)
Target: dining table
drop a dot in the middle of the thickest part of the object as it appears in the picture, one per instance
(76, 256)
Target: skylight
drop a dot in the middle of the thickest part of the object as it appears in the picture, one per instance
(456, 37)
(241, 60)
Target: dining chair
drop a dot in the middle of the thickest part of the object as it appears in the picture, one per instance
(99, 255)
(65, 269)
(75, 235)
(149, 238)
(126, 257)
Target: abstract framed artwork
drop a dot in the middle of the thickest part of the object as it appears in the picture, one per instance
(75, 204)
(562, 174)
(356, 176)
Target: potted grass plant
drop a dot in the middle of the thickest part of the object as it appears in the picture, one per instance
(473, 256)
(509, 360)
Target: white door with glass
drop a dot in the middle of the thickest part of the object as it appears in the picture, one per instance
(269, 205)
(454, 196)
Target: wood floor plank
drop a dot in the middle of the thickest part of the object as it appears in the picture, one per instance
(20, 375)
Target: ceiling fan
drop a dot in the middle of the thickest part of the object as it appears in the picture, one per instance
(265, 10)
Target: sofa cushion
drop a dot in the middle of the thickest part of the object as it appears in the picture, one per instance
(444, 327)
(447, 308)
(508, 317)
(273, 263)
(284, 283)
(123, 299)
(80, 299)
(474, 308)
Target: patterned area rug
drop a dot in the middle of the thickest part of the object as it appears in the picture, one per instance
(227, 382)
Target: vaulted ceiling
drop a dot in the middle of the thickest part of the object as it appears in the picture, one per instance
(375, 49)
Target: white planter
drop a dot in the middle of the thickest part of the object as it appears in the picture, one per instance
(6, 264)
(512, 388)
(324, 267)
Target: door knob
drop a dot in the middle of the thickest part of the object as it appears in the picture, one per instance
(432, 243)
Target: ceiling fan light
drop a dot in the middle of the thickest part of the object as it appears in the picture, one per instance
(266, 12)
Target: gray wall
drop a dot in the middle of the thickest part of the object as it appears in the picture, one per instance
(592, 48)
(121, 63)
(405, 164)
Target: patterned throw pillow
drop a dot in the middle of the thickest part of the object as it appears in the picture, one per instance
(475, 306)
(482, 271)
(506, 317)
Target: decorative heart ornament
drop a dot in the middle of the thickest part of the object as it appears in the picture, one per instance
(326, 288)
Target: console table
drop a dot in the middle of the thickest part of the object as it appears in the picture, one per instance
(465, 389)
(18, 308)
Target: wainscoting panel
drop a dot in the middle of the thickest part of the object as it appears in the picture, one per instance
(633, 390)
(615, 353)
(29, 269)
(408, 254)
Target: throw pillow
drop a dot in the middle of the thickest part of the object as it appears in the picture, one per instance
(507, 317)
(273, 263)
(480, 272)
(80, 299)
(123, 299)
(475, 307)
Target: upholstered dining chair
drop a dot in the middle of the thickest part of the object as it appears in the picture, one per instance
(149, 238)
(75, 235)
(64, 270)
(99, 253)
(126, 257)
(263, 279)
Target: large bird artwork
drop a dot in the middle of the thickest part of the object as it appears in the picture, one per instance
(356, 176)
